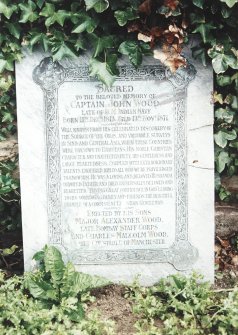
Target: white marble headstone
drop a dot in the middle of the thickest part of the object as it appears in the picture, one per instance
(119, 179)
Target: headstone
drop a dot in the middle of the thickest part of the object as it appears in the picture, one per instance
(120, 179)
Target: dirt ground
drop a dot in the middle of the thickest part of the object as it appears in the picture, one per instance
(112, 304)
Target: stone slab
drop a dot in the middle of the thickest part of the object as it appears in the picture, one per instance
(63, 115)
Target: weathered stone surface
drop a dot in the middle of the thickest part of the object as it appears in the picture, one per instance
(230, 184)
(8, 148)
(226, 216)
(119, 175)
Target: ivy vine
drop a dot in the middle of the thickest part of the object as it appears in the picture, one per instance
(135, 28)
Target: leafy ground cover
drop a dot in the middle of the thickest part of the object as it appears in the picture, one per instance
(55, 299)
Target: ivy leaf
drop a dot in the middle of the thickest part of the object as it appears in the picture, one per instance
(199, 3)
(6, 9)
(87, 23)
(221, 161)
(14, 29)
(223, 80)
(81, 44)
(226, 12)
(224, 114)
(196, 18)
(221, 62)
(98, 5)
(28, 12)
(223, 136)
(39, 38)
(123, 17)
(205, 31)
(134, 51)
(3, 64)
(7, 117)
(53, 16)
(201, 54)
(61, 51)
(101, 43)
(104, 71)
(230, 3)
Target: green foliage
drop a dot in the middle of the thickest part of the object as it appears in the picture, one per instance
(111, 28)
(59, 284)
(134, 50)
(21, 314)
(9, 197)
(184, 306)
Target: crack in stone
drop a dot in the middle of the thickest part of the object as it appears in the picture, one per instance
(207, 125)
(200, 167)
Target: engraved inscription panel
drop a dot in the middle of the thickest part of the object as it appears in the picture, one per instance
(117, 158)
(116, 164)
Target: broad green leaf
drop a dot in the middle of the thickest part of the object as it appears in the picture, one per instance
(41, 289)
(86, 24)
(205, 31)
(221, 161)
(7, 117)
(54, 264)
(123, 17)
(39, 38)
(84, 282)
(14, 29)
(196, 18)
(223, 136)
(63, 51)
(201, 54)
(134, 50)
(225, 115)
(9, 251)
(6, 83)
(101, 43)
(54, 16)
(68, 288)
(223, 80)
(226, 12)
(28, 12)
(48, 10)
(199, 3)
(234, 103)
(74, 283)
(40, 3)
(234, 144)
(81, 43)
(6, 9)
(3, 64)
(219, 62)
(39, 256)
(104, 71)
(98, 5)
(230, 3)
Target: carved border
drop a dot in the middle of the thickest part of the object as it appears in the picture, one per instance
(50, 75)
